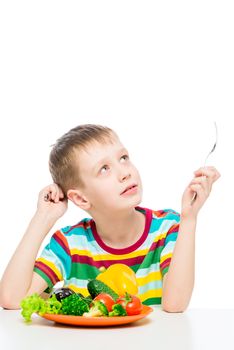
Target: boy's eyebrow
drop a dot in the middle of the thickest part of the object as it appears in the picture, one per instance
(106, 158)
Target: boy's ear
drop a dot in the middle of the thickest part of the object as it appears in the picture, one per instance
(78, 199)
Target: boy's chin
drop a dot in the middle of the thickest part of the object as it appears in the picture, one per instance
(133, 203)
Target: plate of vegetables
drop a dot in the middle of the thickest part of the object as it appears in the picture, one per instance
(102, 307)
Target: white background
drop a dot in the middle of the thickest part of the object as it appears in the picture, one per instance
(157, 72)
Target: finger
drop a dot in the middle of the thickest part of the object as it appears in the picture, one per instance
(54, 190)
(195, 187)
(53, 195)
(207, 168)
(203, 182)
(59, 194)
(210, 172)
(204, 171)
(198, 189)
(58, 197)
(46, 197)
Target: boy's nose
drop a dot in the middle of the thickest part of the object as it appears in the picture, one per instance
(125, 177)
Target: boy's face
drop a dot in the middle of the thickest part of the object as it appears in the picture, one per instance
(107, 171)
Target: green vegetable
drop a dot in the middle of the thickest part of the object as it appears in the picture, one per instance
(53, 306)
(88, 299)
(97, 309)
(74, 305)
(81, 295)
(35, 304)
(96, 287)
(118, 310)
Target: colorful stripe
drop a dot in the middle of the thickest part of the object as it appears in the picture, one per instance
(76, 253)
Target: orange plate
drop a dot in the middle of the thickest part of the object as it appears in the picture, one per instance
(98, 321)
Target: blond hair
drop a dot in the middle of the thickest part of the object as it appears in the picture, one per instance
(63, 164)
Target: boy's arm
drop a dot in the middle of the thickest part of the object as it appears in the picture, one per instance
(19, 279)
(178, 282)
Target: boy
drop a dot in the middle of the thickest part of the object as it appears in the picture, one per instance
(91, 167)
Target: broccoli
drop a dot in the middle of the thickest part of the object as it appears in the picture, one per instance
(88, 299)
(53, 305)
(97, 309)
(74, 305)
(117, 310)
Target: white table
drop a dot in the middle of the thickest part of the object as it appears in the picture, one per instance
(194, 329)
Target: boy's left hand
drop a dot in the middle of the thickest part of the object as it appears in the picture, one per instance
(202, 184)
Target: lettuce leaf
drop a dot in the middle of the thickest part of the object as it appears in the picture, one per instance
(36, 304)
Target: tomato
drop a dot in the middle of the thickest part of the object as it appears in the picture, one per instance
(134, 307)
(131, 303)
(105, 299)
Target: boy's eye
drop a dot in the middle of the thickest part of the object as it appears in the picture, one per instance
(104, 167)
(125, 156)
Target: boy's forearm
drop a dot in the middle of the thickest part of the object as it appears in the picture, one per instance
(178, 287)
(17, 277)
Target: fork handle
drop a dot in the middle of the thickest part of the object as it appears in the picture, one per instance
(194, 198)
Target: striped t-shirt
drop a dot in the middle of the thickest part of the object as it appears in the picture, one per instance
(75, 254)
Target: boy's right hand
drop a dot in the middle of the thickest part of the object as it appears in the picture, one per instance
(51, 202)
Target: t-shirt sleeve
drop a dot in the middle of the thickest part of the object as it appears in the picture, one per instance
(54, 262)
(172, 220)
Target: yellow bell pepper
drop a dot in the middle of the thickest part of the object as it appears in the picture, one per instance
(120, 278)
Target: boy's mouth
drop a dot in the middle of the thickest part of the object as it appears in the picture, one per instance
(129, 187)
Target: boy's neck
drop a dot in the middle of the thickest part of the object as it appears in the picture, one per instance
(120, 231)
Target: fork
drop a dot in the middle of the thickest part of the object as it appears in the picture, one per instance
(213, 148)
